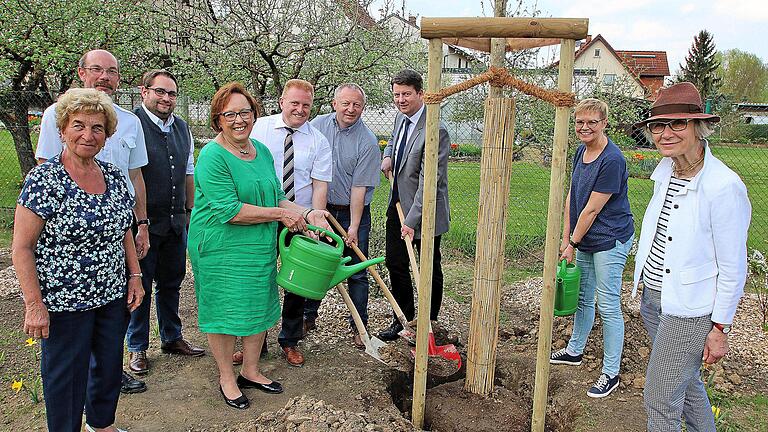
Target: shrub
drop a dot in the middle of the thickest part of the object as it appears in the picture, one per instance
(641, 165)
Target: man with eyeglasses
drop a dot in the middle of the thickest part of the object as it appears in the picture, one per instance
(356, 161)
(125, 149)
(303, 162)
(170, 171)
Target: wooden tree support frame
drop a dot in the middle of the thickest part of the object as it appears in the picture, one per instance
(480, 379)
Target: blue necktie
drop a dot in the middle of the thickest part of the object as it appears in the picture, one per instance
(399, 157)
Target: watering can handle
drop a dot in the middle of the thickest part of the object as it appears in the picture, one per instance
(331, 234)
(562, 266)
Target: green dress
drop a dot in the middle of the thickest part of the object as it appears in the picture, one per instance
(234, 265)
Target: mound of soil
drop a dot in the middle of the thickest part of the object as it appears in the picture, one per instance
(304, 413)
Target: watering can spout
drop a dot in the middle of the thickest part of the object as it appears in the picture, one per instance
(345, 271)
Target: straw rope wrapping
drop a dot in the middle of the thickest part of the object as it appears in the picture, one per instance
(500, 77)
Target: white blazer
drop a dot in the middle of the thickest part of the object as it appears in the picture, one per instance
(705, 260)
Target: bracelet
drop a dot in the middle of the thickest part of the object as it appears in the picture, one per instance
(306, 213)
(574, 244)
(138, 275)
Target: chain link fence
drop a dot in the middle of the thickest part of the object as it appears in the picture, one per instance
(740, 140)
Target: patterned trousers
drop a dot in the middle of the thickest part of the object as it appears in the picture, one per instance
(673, 386)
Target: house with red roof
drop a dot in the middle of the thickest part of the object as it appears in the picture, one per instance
(640, 73)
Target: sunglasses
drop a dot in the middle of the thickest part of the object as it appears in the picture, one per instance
(677, 125)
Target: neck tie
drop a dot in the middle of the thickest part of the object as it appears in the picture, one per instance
(288, 187)
(401, 145)
(399, 150)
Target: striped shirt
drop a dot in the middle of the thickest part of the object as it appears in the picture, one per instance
(653, 270)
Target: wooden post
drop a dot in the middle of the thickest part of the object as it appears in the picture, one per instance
(429, 204)
(495, 173)
(495, 177)
(554, 230)
(504, 27)
(498, 52)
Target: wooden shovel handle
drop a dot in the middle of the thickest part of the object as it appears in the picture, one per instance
(372, 270)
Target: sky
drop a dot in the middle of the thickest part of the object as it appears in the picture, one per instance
(656, 25)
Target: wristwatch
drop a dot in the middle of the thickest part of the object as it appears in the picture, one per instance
(574, 244)
(142, 222)
(725, 328)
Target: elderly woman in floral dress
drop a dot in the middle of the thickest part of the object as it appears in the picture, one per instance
(77, 267)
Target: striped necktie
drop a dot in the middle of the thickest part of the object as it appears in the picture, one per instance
(288, 186)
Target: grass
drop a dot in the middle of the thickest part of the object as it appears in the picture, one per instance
(528, 196)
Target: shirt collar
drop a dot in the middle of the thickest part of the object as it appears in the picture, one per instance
(279, 123)
(417, 115)
(157, 120)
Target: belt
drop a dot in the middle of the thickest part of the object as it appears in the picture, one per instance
(337, 207)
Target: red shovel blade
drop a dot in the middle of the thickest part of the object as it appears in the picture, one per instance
(448, 352)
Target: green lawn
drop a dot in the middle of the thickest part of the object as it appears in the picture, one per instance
(528, 197)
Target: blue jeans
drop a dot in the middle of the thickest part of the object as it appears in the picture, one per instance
(358, 282)
(601, 275)
(166, 264)
(81, 366)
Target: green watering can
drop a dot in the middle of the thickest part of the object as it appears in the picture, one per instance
(567, 290)
(310, 268)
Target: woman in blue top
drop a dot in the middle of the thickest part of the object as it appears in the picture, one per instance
(77, 266)
(598, 226)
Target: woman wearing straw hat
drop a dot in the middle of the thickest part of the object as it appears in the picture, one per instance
(691, 259)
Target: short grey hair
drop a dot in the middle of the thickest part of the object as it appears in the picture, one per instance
(352, 86)
(701, 129)
(86, 101)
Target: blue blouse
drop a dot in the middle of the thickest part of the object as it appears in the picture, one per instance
(79, 256)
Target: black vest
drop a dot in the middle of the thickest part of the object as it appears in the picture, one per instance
(165, 174)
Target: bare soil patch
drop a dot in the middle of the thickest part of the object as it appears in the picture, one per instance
(343, 389)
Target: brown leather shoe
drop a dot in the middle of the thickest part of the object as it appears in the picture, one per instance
(139, 364)
(309, 325)
(182, 347)
(237, 358)
(358, 341)
(294, 356)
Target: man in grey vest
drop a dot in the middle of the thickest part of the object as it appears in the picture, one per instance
(356, 161)
(170, 197)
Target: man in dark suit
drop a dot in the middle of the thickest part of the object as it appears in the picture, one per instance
(404, 160)
(170, 197)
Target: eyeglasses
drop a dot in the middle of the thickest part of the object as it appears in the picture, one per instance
(677, 125)
(98, 70)
(590, 124)
(230, 116)
(160, 92)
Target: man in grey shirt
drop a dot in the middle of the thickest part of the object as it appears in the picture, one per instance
(356, 161)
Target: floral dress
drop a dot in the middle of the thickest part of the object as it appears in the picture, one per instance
(79, 256)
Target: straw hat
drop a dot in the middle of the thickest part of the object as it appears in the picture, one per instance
(680, 101)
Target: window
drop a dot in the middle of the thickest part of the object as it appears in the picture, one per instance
(609, 79)
(597, 52)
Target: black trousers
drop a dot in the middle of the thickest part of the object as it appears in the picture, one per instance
(397, 263)
(81, 366)
(293, 309)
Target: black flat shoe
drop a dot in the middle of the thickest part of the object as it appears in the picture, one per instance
(390, 333)
(240, 403)
(274, 387)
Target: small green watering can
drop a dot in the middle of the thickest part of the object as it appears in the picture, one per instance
(310, 268)
(567, 290)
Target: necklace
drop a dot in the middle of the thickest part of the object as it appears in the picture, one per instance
(240, 150)
(681, 171)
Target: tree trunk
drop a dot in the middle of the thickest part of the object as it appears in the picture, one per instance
(18, 125)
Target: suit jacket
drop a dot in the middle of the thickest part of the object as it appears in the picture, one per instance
(410, 175)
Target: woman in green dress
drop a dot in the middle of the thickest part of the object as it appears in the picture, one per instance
(238, 202)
